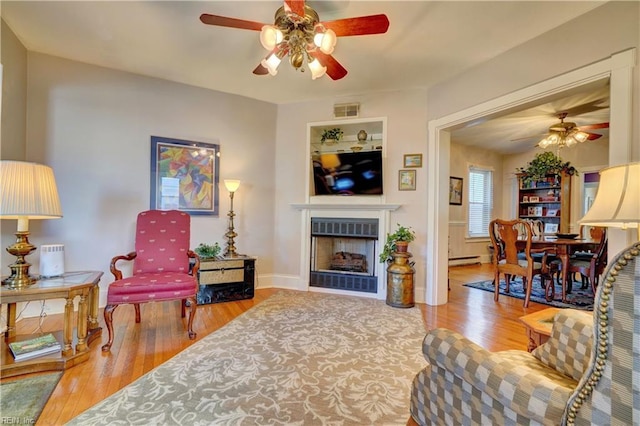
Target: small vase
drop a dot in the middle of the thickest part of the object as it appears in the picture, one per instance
(330, 141)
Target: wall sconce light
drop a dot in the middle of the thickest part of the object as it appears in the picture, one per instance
(27, 191)
(232, 186)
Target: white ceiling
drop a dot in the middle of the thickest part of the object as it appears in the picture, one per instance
(520, 131)
(427, 42)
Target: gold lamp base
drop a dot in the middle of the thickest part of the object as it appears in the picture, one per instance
(20, 277)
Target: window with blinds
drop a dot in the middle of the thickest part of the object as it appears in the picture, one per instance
(480, 201)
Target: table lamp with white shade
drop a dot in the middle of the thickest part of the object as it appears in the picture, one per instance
(617, 202)
(27, 191)
(232, 186)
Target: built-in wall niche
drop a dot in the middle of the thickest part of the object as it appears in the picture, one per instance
(352, 165)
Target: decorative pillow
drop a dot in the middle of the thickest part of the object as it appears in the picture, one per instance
(568, 350)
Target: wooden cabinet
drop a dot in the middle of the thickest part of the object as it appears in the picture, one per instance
(548, 200)
(226, 279)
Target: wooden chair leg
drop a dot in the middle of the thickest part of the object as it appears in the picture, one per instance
(191, 302)
(183, 304)
(594, 281)
(496, 282)
(108, 319)
(137, 308)
(528, 282)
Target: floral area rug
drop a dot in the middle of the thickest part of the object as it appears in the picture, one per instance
(577, 299)
(295, 359)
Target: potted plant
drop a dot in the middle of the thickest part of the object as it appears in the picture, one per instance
(206, 251)
(398, 241)
(331, 136)
(543, 164)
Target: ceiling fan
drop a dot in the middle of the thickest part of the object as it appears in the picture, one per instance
(568, 133)
(298, 32)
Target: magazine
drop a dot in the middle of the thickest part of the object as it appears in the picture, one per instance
(38, 346)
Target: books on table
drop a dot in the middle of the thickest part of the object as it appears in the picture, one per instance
(38, 346)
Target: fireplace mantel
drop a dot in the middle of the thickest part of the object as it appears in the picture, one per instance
(316, 206)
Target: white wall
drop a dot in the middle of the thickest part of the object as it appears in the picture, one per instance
(93, 126)
(14, 96)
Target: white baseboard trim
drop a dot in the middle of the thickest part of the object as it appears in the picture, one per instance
(464, 260)
(288, 282)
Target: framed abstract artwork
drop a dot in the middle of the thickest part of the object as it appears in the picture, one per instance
(184, 176)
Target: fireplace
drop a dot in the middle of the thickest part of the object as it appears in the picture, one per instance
(343, 254)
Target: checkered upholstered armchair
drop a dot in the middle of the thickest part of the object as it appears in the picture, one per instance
(160, 268)
(587, 373)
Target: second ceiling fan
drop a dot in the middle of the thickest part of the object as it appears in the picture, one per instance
(298, 32)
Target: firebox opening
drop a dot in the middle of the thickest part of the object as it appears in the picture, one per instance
(343, 254)
(349, 255)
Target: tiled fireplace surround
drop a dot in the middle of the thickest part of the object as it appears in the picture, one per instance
(347, 211)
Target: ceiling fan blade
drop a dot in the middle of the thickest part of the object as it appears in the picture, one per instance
(594, 126)
(295, 6)
(223, 21)
(260, 70)
(334, 69)
(363, 25)
(593, 136)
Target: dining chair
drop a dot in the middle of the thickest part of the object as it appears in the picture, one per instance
(510, 261)
(590, 265)
(161, 268)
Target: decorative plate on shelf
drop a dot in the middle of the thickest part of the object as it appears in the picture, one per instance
(566, 236)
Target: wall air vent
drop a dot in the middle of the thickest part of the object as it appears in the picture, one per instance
(346, 110)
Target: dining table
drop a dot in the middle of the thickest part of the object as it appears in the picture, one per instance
(563, 248)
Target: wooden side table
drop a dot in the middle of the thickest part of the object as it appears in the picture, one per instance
(69, 286)
(538, 326)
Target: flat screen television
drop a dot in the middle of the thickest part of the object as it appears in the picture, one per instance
(348, 173)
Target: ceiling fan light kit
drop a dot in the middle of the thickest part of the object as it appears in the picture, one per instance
(298, 32)
(564, 134)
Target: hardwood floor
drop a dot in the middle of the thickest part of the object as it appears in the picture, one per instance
(138, 349)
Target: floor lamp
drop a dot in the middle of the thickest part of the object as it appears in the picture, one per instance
(28, 191)
(232, 186)
(617, 202)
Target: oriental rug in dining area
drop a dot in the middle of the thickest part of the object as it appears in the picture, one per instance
(577, 299)
(297, 358)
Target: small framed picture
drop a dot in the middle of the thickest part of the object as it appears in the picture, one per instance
(534, 211)
(534, 199)
(550, 228)
(455, 191)
(552, 212)
(407, 180)
(525, 199)
(413, 160)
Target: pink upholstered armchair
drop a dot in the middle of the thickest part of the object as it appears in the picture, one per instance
(160, 268)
